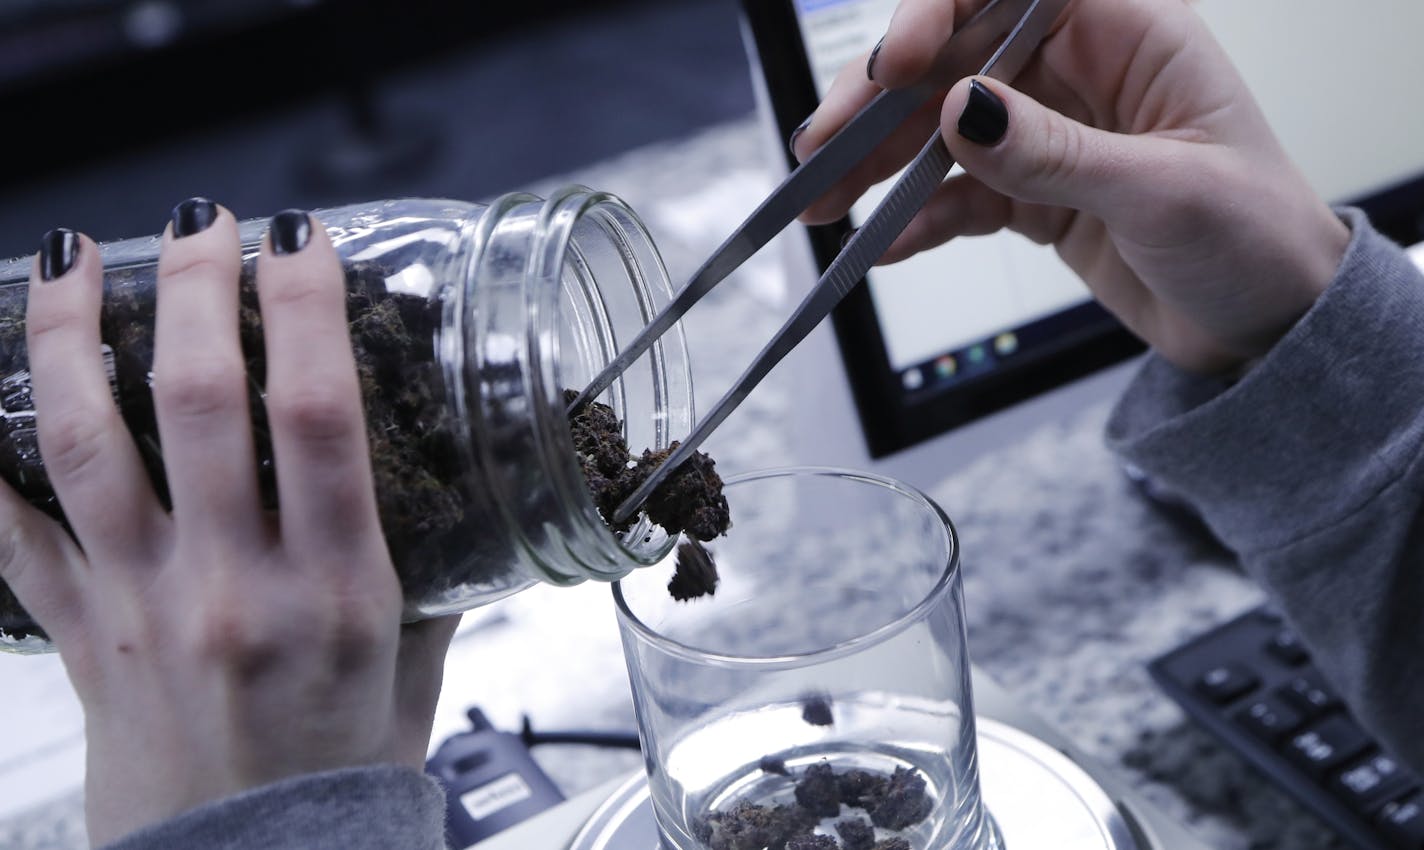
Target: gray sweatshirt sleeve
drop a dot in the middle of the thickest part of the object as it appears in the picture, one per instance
(364, 808)
(1311, 468)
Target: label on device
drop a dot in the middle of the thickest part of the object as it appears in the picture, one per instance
(493, 796)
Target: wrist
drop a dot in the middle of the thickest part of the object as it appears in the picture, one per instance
(1319, 254)
(1297, 409)
(1324, 255)
(1326, 260)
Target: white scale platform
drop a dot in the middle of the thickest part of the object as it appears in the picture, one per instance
(1042, 794)
(1038, 797)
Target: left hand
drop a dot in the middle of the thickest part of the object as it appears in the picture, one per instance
(216, 648)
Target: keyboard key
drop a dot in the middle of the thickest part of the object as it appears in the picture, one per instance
(1367, 782)
(1402, 822)
(1269, 718)
(1309, 694)
(1286, 648)
(1327, 744)
(1225, 682)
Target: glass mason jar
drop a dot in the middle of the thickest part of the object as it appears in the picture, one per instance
(468, 322)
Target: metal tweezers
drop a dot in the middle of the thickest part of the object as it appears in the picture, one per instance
(1008, 31)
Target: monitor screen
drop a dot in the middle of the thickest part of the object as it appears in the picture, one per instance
(979, 324)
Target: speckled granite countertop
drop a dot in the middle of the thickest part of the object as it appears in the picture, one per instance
(1072, 582)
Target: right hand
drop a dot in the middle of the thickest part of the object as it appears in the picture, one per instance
(1134, 147)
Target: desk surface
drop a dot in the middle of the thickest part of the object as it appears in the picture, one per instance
(1071, 581)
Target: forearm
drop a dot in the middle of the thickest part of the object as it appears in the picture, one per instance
(1312, 469)
(369, 808)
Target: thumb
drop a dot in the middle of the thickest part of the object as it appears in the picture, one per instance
(1020, 148)
(420, 671)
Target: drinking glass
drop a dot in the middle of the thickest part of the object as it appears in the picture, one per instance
(825, 680)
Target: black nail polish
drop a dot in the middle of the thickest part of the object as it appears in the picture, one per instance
(985, 118)
(291, 231)
(59, 248)
(870, 63)
(193, 216)
(796, 134)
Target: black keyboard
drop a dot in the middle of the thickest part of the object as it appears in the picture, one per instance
(1251, 683)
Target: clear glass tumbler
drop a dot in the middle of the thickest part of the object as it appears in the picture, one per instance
(824, 688)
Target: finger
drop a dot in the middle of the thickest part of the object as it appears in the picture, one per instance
(855, 86)
(917, 33)
(199, 379)
(1024, 150)
(915, 42)
(324, 483)
(888, 158)
(421, 662)
(963, 206)
(88, 453)
(420, 671)
(40, 565)
(850, 91)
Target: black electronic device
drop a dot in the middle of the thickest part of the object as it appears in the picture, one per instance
(491, 782)
(1251, 683)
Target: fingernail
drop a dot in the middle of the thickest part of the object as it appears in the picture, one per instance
(59, 248)
(870, 63)
(796, 134)
(985, 118)
(291, 231)
(845, 240)
(193, 216)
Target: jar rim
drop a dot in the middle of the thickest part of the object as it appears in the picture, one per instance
(555, 258)
(947, 580)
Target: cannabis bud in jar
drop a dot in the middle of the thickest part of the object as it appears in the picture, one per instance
(689, 501)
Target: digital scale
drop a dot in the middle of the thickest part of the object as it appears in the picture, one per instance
(1042, 793)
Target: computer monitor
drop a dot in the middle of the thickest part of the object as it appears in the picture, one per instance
(983, 324)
